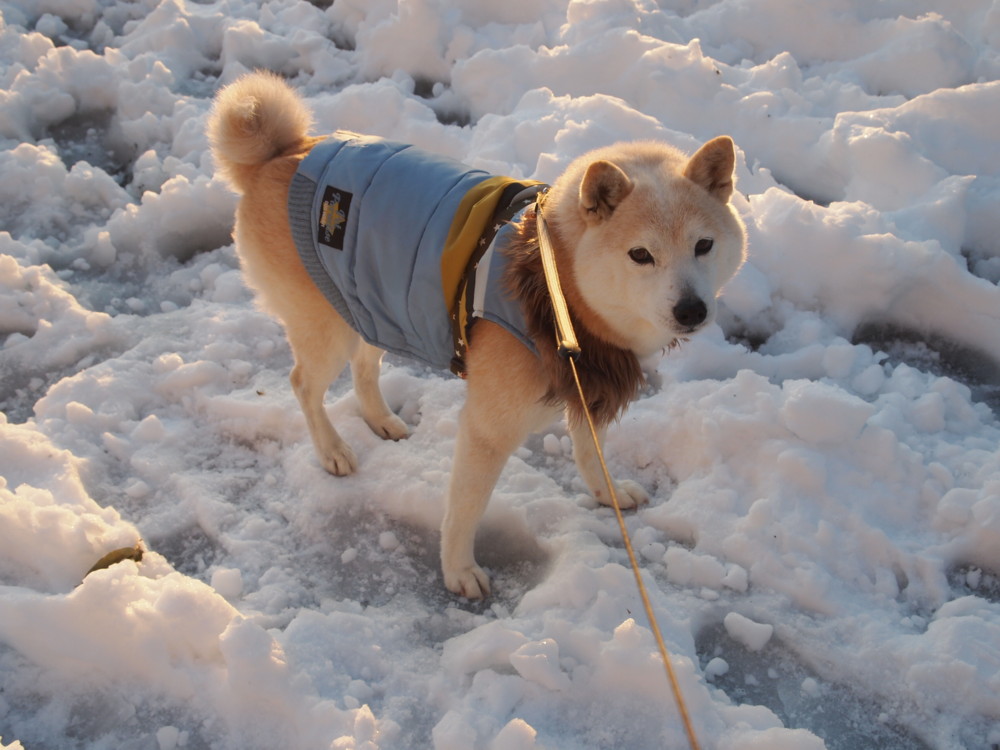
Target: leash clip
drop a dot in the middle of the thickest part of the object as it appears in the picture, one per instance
(569, 352)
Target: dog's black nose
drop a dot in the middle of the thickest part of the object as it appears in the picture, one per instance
(690, 312)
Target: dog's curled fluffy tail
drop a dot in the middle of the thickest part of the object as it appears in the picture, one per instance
(253, 120)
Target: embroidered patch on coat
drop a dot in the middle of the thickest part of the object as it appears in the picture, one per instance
(333, 217)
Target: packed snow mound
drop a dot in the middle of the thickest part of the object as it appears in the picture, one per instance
(822, 546)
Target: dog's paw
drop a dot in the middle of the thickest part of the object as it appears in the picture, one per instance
(340, 460)
(390, 428)
(472, 582)
(630, 495)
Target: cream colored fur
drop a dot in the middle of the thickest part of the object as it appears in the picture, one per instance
(606, 205)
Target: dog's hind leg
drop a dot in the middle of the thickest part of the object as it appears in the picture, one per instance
(322, 349)
(365, 368)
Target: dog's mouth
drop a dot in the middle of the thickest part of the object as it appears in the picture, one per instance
(700, 327)
(679, 329)
(666, 332)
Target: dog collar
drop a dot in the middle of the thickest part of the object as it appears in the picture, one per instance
(514, 200)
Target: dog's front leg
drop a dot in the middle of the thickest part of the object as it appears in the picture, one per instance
(503, 404)
(480, 455)
(630, 494)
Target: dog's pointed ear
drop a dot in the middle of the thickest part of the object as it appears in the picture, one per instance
(712, 167)
(603, 188)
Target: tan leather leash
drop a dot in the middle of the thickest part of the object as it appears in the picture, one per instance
(569, 348)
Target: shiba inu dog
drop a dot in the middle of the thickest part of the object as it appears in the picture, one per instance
(359, 245)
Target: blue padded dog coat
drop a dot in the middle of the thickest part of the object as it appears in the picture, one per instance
(375, 222)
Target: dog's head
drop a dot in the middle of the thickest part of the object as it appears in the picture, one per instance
(650, 237)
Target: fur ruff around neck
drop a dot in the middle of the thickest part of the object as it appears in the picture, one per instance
(610, 375)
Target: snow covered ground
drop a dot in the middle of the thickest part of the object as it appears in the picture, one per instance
(823, 543)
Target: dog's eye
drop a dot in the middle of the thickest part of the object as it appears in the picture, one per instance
(640, 255)
(703, 246)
